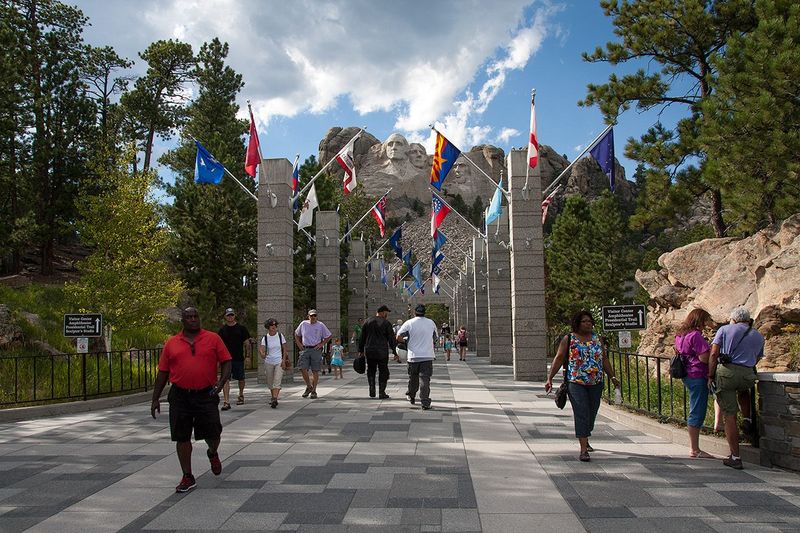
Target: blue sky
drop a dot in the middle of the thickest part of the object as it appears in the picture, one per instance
(467, 66)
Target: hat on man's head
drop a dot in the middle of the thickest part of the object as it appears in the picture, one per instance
(383, 308)
(419, 310)
(312, 312)
(230, 311)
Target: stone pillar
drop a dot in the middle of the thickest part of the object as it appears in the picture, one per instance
(275, 249)
(499, 295)
(328, 297)
(527, 271)
(357, 283)
(470, 303)
(481, 332)
(778, 415)
(374, 292)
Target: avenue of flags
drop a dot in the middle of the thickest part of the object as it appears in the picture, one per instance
(208, 170)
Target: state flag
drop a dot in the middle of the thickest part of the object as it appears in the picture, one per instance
(439, 211)
(253, 157)
(444, 156)
(311, 203)
(206, 168)
(346, 161)
(379, 214)
(603, 153)
(533, 142)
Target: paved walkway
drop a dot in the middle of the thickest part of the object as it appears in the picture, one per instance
(493, 455)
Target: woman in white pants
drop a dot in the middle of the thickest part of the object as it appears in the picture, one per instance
(274, 358)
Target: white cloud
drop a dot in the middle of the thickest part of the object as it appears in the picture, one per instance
(577, 148)
(414, 59)
(506, 134)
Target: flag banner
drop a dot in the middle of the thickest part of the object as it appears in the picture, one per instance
(347, 230)
(307, 213)
(206, 168)
(252, 159)
(417, 273)
(533, 142)
(438, 212)
(379, 214)
(546, 203)
(443, 158)
(394, 242)
(383, 273)
(407, 259)
(435, 268)
(603, 153)
(295, 181)
(395, 279)
(369, 266)
(496, 205)
(436, 282)
(346, 161)
(439, 238)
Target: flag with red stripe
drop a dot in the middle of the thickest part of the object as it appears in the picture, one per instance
(533, 142)
(252, 159)
(379, 213)
(346, 161)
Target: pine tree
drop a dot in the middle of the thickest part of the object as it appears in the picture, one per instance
(683, 38)
(752, 134)
(125, 277)
(213, 228)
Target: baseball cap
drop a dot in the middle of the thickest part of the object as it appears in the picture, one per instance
(229, 311)
(420, 310)
(312, 312)
(383, 308)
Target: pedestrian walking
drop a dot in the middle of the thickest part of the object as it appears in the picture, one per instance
(337, 358)
(586, 362)
(189, 360)
(310, 337)
(377, 340)
(462, 338)
(274, 359)
(448, 346)
(695, 349)
(735, 350)
(421, 341)
(234, 335)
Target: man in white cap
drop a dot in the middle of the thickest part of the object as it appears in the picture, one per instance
(421, 341)
(310, 337)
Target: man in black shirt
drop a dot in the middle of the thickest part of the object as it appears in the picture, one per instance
(377, 338)
(234, 336)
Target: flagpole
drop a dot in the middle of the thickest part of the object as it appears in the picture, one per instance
(457, 213)
(365, 215)
(465, 156)
(528, 166)
(563, 172)
(384, 242)
(296, 223)
(454, 264)
(318, 174)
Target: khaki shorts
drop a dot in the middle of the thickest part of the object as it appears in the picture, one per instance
(273, 374)
(730, 380)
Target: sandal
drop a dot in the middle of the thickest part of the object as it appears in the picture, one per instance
(584, 457)
(226, 406)
(589, 448)
(701, 455)
(240, 400)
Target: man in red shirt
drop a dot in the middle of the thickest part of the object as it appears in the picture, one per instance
(189, 361)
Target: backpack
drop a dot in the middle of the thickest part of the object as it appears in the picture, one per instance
(462, 336)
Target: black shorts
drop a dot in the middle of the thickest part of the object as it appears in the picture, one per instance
(462, 343)
(196, 411)
(237, 370)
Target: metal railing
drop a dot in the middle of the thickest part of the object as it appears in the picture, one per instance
(648, 388)
(43, 379)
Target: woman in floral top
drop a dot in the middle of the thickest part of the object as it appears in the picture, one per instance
(586, 363)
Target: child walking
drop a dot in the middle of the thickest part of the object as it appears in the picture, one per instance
(448, 346)
(337, 361)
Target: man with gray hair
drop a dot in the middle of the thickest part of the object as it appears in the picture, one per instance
(735, 350)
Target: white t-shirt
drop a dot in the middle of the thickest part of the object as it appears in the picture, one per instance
(274, 353)
(421, 336)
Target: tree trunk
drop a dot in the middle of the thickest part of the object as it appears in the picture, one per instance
(716, 214)
(148, 149)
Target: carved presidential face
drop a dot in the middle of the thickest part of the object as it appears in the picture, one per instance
(396, 147)
(461, 171)
(417, 156)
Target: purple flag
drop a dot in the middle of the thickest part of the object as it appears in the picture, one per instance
(603, 153)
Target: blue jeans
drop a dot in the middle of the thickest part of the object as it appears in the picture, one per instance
(698, 400)
(585, 400)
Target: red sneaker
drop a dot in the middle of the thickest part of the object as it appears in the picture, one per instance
(187, 483)
(216, 464)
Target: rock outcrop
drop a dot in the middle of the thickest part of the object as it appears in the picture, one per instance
(10, 333)
(761, 272)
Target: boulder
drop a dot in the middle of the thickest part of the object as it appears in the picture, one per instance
(10, 333)
(761, 272)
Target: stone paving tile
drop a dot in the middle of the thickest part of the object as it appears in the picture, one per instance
(254, 521)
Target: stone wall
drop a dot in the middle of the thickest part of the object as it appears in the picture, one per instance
(779, 419)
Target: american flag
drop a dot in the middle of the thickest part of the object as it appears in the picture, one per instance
(438, 212)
